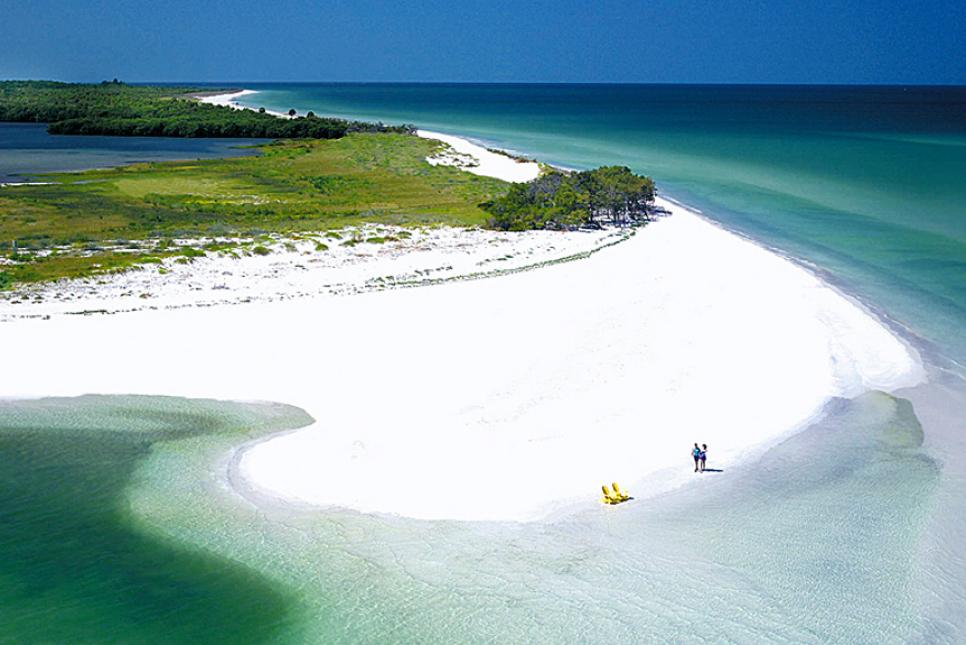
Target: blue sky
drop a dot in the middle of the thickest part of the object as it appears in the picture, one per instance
(658, 41)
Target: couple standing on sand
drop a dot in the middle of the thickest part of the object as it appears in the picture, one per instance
(700, 456)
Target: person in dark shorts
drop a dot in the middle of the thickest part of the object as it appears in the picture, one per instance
(703, 455)
(696, 453)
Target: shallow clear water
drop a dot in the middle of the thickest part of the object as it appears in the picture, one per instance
(26, 149)
(124, 529)
(75, 564)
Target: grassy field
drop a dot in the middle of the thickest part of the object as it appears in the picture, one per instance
(106, 220)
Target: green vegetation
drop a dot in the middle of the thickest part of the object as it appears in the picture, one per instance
(330, 174)
(131, 110)
(568, 200)
(110, 220)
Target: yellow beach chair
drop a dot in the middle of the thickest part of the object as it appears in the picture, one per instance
(618, 493)
(608, 497)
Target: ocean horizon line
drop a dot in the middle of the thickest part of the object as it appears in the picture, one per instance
(233, 83)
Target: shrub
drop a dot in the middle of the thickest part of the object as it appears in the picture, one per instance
(560, 200)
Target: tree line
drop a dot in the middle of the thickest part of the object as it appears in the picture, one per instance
(114, 108)
(567, 200)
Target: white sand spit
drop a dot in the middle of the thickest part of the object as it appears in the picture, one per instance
(480, 161)
(231, 100)
(500, 399)
(459, 152)
(524, 394)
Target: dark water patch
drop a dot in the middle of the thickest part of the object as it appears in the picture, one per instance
(26, 150)
(76, 567)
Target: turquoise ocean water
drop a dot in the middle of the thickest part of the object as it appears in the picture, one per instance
(118, 523)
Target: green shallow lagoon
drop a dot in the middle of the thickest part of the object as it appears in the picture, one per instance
(120, 526)
(76, 565)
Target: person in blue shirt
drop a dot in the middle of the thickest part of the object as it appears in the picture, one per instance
(696, 453)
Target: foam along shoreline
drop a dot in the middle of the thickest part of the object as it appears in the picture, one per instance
(502, 399)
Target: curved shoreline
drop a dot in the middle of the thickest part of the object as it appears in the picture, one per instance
(281, 467)
(467, 144)
(485, 166)
(907, 335)
(668, 316)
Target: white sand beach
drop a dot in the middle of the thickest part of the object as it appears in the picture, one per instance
(231, 100)
(509, 398)
(480, 161)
